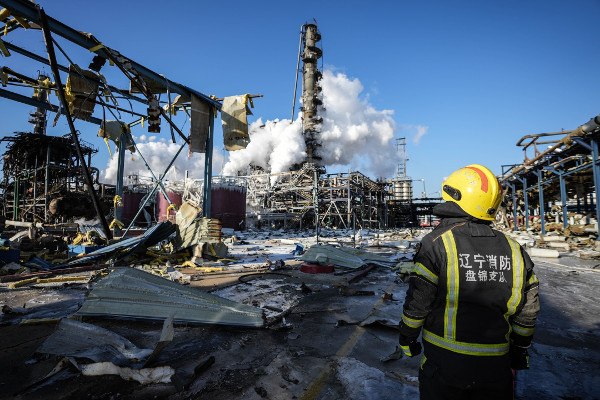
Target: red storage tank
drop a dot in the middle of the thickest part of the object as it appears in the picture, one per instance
(162, 205)
(131, 205)
(228, 204)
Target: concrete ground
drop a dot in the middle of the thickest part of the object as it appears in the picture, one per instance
(315, 349)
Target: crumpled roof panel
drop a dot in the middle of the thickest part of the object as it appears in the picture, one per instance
(131, 293)
(344, 256)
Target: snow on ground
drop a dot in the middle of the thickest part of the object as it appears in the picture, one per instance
(565, 354)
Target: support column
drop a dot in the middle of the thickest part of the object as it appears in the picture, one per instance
(514, 198)
(596, 171)
(16, 199)
(541, 194)
(563, 199)
(525, 197)
(349, 202)
(206, 195)
(75, 138)
(316, 201)
(46, 182)
(119, 187)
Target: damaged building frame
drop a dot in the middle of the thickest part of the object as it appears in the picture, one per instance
(43, 174)
(558, 183)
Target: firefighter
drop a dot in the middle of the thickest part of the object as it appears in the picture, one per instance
(474, 295)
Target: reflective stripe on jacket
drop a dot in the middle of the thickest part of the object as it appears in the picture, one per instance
(473, 290)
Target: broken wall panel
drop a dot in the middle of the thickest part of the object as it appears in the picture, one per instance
(81, 90)
(235, 123)
(124, 248)
(131, 293)
(200, 122)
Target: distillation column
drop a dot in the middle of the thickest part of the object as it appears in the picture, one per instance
(311, 91)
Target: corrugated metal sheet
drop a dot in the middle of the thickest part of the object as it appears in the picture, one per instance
(193, 229)
(344, 256)
(96, 228)
(199, 231)
(370, 258)
(126, 247)
(131, 293)
(324, 254)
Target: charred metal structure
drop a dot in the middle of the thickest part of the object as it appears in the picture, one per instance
(562, 179)
(44, 180)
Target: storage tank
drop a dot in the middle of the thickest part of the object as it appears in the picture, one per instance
(162, 205)
(131, 205)
(228, 203)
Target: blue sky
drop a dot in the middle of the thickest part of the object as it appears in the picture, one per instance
(476, 75)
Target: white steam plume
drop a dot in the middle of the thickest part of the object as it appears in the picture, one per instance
(158, 154)
(353, 134)
(353, 130)
(274, 146)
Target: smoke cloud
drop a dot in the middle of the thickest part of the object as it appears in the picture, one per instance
(353, 134)
(158, 154)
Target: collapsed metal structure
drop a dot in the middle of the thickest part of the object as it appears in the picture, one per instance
(60, 163)
(44, 180)
(562, 179)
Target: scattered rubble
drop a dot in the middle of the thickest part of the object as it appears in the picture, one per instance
(253, 280)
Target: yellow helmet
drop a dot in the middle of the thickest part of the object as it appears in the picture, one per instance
(475, 189)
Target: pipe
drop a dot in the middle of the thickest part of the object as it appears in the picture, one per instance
(297, 69)
(23, 224)
(591, 125)
(42, 60)
(36, 103)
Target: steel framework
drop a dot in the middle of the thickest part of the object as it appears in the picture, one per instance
(79, 104)
(566, 174)
(345, 200)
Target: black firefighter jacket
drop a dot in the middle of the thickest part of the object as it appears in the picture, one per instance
(473, 292)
